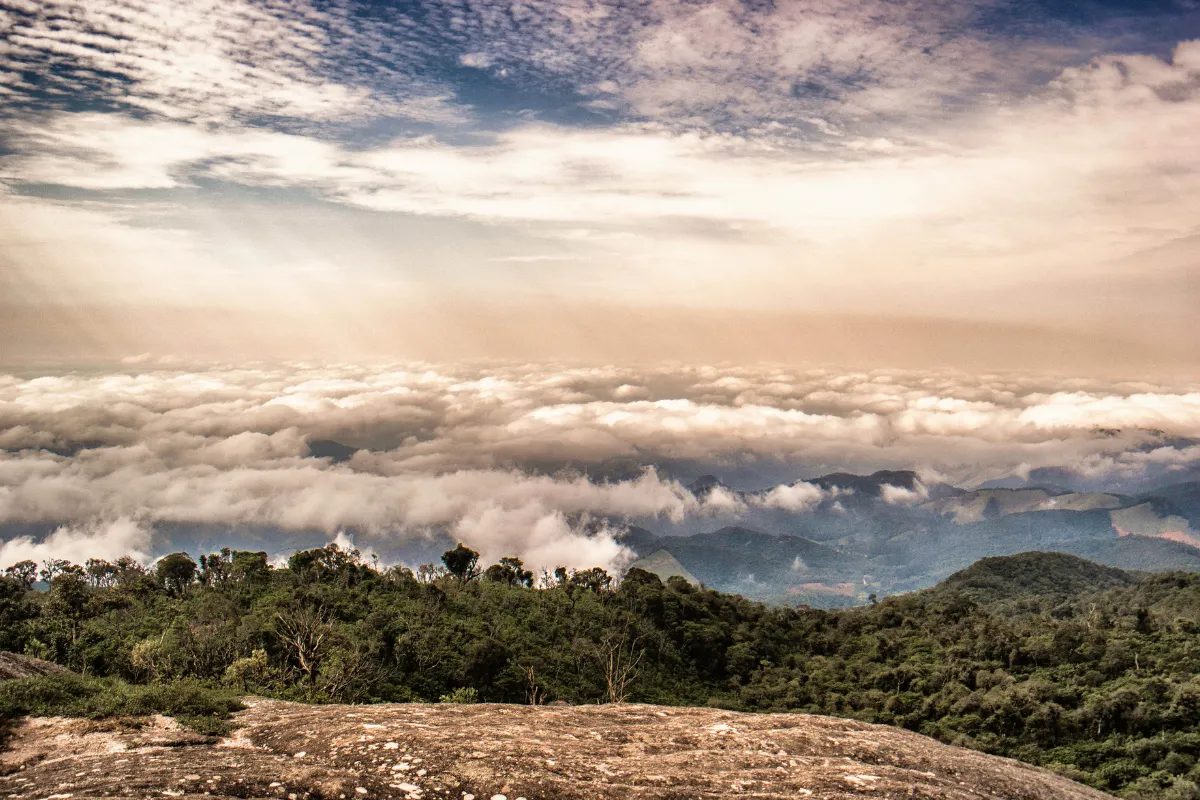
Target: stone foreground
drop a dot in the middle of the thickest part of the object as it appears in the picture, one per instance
(290, 751)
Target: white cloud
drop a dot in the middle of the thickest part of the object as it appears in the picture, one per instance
(903, 496)
(464, 449)
(965, 208)
(476, 60)
(794, 497)
(214, 60)
(79, 542)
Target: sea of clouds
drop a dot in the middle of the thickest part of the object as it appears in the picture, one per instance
(543, 461)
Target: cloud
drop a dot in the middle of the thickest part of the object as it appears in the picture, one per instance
(208, 61)
(904, 496)
(854, 156)
(79, 542)
(797, 496)
(976, 192)
(500, 456)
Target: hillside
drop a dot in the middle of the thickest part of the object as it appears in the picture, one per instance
(665, 566)
(1044, 575)
(534, 752)
(1041, 657)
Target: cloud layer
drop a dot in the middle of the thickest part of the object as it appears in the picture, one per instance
(536, 460)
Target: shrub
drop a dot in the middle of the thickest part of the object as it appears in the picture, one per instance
(192, 703)
(466, 696)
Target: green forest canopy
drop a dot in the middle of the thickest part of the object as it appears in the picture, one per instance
(1043, 657)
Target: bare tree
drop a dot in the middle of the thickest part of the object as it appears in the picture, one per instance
(307, 634)
(349, 675)
(428, 573)
(533, 694)
(620, 657)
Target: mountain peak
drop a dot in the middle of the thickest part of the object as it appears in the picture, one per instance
(1040, 573)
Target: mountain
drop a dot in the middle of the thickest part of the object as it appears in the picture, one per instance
(1155, 517)
(1137, 553)
(981, 504)
(868, 485)
(866, 540)
(703, 486)
(1183, 499)
(664, 565)
(755, 564)
(1043, 574)
(334, 451)
(1038, 656)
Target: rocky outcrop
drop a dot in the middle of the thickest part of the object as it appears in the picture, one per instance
(478, 752)
(14, 666)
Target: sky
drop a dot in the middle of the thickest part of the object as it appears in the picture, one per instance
(915, 182)
(546, 261)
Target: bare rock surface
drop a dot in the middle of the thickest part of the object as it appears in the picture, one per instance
(14, 666)
(482, 752)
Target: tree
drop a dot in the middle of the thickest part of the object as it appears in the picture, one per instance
(67, 603)
(250, 566)
(428, 573)
(215, 568)
(462, 562)
(510, 570)
(349, 674)
(23, 571)
(101, 573)
(234, 567)
(307, 635)
(329, 564)
(52, 567)
(534, 694)
(620, 658)
(175, 572)
(594, 580)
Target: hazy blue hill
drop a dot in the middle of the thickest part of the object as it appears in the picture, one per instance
(334, 451)
(868, 485)
(753, 563)
(642, 541)
(1183, 499)
(757, 543)
(1034, 573)
(1032, 530)
(1137, 553)
(703, 486)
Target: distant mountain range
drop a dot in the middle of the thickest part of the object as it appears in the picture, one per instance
(827, 541)
(889, 532)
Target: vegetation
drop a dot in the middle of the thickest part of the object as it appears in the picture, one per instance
(1042, 657)
(202, 708)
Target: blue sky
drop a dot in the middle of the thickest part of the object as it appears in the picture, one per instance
(1000, 163)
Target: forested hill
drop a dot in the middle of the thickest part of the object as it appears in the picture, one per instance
(1043, 657)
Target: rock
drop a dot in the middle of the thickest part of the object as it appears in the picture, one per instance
(14, 666)
(564, 753)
